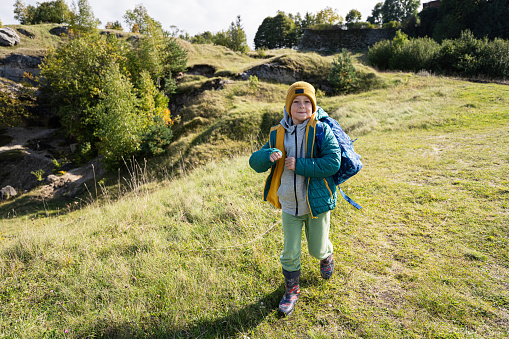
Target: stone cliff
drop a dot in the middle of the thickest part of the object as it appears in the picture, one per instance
(334, 39)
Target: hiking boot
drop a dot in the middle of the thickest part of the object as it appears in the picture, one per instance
(327, 267)
(287, 304)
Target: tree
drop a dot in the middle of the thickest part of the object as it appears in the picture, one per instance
(376, 14)
(328, 16)
(493, 20)
(119, 123)
(353, 16)
(277, 32)
(82, 19)
(114, 25)
(140, 22)
(428, 20)
(105, 92)
(73, 77)
(51, 11)
(237, 37)
(21, 13)
(398, 10)
(353, 20)
(342, 75)
(482, 17)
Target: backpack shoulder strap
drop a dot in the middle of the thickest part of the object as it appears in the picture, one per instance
(276, 140)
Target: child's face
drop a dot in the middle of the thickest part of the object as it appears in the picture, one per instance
(301, 109)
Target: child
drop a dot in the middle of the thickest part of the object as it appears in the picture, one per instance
(300, 183)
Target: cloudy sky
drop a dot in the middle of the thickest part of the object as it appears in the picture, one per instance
(197, 16)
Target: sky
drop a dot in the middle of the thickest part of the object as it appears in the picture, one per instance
(198, 16)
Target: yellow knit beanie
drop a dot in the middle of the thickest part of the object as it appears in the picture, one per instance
(300, 88)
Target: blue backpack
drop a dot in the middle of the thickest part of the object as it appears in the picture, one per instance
(350, 161)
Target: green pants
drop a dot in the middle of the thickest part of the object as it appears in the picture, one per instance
(317, 236)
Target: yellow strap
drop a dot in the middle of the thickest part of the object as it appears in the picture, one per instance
(278, 171)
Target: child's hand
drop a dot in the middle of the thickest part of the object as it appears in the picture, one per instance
(275, 156)
(290, 163)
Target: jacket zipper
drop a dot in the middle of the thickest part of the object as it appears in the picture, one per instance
(295, 177)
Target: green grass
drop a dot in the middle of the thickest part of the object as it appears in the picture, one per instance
(36, 46)
(197, 255)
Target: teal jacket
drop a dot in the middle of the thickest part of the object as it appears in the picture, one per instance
(318, 166)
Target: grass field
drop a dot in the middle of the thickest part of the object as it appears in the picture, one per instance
(198, 256)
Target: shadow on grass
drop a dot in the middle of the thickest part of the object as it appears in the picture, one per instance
(237, 321)
(28, 205)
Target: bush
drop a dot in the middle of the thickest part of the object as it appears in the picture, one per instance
(495, 59)
(342, 76)
(415, 55)
(16, 105)
(466, 56)
(158, 136)
(380, 54)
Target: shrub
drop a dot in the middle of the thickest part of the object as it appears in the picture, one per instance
(495, 59)
(380, 54)
(414, 55)
(342, 76)
(16, 105)
(465, 56)
(158, 136)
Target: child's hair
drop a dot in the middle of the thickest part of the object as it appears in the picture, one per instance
(300, 88)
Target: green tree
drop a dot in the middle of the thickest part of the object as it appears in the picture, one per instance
(277, 32)
(119, 123)
(140, 22)
(114, 25)
(492, 20)
(376, 14)
(23, 13)
(482, 17)
(51, 11)
(398, 10)
(353, 16)
(328, 16)
(82, 19)
(428, 20)
(343, 77)
(73, 78)
(237, 37)
(203, 38)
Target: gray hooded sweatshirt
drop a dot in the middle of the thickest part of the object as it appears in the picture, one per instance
(293, 192)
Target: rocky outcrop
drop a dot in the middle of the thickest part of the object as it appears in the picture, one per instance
(26, 33)
(7, 192)
(14, 66)
(335, 39)
(8, 37)
(273, 71)
(59, 30)
(282, 73)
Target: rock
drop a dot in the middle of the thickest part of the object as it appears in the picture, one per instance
(59, 30)
(25, 32)
(15, 65)
(52, 178)
(8, 37)
(8, 191)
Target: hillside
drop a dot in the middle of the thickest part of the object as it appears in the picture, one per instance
(220, 112)
(182, 246)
